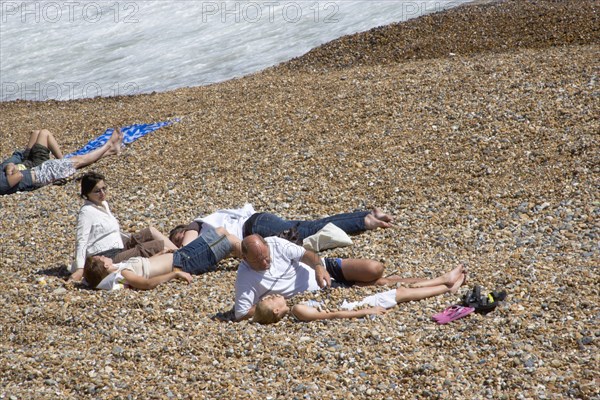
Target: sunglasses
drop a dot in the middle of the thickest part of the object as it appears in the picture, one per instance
(100, 190)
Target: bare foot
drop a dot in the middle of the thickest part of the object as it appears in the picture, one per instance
(380, 215)
(115, 141)
(451, 277)
(372, 222)
(459, 282)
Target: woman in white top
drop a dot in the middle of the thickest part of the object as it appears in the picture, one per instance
(99, 233)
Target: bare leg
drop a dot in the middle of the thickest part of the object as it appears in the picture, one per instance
(394, 279)
(113, 146)
(363, 272)
(156, 235)
(448, 279)
(33, 138)
(404, 294)
(46, 139)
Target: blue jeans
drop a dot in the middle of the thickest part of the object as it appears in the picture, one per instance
(267, 224)
(16, 158)
(203, 254)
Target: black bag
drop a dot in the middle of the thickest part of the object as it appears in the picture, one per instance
(483, 304)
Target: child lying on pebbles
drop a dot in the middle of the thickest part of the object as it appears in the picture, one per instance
(273, 308)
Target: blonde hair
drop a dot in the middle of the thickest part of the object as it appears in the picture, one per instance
(263, 314)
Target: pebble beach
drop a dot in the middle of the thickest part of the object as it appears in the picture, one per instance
(476, 128)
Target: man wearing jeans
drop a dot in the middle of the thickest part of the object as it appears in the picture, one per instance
(245, 221)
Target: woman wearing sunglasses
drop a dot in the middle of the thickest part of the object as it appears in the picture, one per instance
(99, 233)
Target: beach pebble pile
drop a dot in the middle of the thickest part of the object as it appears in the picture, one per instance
(486, 156)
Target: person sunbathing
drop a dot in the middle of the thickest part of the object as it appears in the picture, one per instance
(199, 257)
(273, 308)
(141, 273)
(243, 222)
(98, 231)
(276, 266)
(13, 179)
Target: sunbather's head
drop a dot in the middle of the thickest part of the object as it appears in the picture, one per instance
(176, 235)
(270, 309)
(256, 253)
(93, 187)
(97, 268)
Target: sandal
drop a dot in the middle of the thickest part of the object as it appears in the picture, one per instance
(452, 313)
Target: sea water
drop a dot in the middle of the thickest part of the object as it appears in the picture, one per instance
(77, 49)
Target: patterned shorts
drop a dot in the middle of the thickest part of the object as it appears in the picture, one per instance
(53, 170)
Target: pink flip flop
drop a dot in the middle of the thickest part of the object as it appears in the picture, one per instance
(452, 313)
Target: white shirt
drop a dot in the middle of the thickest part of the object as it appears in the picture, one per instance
(97, 230)
(138, 265)
(286, 276)
(232, 220)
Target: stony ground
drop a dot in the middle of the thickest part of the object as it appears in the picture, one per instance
(487, 156)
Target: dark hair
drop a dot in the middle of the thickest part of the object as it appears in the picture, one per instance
(176, 230)
(89, 181)
(94, 271)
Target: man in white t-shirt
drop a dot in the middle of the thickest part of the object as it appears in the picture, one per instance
(276, 266)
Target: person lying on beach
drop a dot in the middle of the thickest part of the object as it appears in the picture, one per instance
(199, 257)
(139, 273)
(272, 308)
(37, 151)
(276, 266)
(244, 222)
(13, 180)
(99, 233)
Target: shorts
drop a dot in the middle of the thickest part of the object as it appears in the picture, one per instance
(202, 255)
(53, 170)
(35, 156)
(334, 267)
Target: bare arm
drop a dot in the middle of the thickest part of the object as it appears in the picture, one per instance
(188, 237)
(13, 175)
(249, 315)
(313, 260)
(142, 283)
(77, 275)
(308, 313)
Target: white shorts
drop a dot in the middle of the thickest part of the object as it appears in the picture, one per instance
(383, 299)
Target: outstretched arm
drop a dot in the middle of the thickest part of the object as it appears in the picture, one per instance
(308, 313)
(142, 283)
